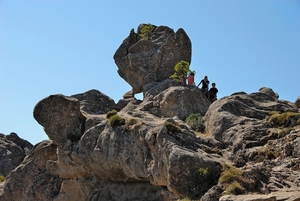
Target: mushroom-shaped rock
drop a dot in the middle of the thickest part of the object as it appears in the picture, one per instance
(61, 118)
(142, 60)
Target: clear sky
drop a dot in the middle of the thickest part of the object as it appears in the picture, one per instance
(66, 47)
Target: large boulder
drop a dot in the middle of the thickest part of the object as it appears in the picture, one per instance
(13, 150)
(231, 119)
(169, 99)
(60, 114)
(30, 180)
(142, 61)
(95, 102)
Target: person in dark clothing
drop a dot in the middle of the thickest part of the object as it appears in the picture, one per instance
(205, 83)
(212, 93)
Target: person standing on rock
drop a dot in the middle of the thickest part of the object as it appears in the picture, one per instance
(212, 93)
(191, 79)
(205, 83)
(183, 80)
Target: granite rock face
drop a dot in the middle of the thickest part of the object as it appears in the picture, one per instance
(89, 159)
(13, 150)
(87, 155)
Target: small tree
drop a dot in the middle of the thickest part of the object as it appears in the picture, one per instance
(196, 122)
(180, 70)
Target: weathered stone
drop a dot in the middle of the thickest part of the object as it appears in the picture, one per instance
(148, 159)
(171, 100)
(61, 118)
(149, 60)
(297, 103)
(30, 180)
(290, 196)
(269, 91)
(231, 119)
(13, 150)
(95, 102)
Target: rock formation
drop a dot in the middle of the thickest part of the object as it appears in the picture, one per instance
(142, 61)
(297, 103)
(88, 159)
(13, 150)
(146, 151)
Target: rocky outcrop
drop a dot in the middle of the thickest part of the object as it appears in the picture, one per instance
(88, 159)
(297, 103)
(169, 99)
(249, 140)
(231, 120)
(142, 61)
(148, 151)
(96, 158)
(31, 180)
(13, 150)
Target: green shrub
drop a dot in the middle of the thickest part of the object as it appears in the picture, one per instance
(284, 119)
(173, 128)
(230, 174)
(2, 178)
(235, 188)
(235, 181)
(285, 131)
(267, 152)
(202, 176)
(111, 113)
(196, 122)
(130, 122)
(116, 120)
(145, 31)
(180, 70)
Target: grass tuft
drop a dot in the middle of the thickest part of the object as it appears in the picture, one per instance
(111, 113)
(196, 122)
(173, 128)
(116, 120)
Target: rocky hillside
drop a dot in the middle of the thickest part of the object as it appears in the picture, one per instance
(145, 150)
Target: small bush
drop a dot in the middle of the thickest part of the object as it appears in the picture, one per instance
(235, 181)
(270, 155)
(284, 119)
(116, 120)
(230, 174)
(202, 176)
(130, 122)
(2, 178)
(266, 153)
(111, 113)
(173, 128)
(196, 122)
(235, 188)
(284, 132)
(145, 31)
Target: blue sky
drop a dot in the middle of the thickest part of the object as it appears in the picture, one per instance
(66, 47)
